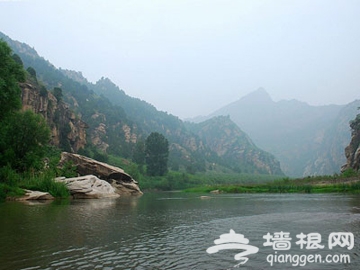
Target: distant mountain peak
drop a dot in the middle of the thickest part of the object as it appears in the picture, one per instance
(258, 96)
(261, 89)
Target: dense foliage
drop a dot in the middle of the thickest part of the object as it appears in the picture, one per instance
(24, 136)
(156, 153)
(11, 72)
(116, 121)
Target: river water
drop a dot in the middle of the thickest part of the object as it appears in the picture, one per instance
(174, 230)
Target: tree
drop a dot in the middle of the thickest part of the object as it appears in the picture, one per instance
(17, 59)
(58, 93)
(156, 153)
(24, 136)
(32, 73)
(11, 72)
(139, 153)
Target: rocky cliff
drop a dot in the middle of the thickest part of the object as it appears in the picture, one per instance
(67, 129)
(230, 143)
(352, 151)
(330, 144)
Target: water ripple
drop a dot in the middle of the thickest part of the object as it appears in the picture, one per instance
(168, 231)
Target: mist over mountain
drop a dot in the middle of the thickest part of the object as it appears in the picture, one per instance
(226, 139)
(116, 123)
(307, 140)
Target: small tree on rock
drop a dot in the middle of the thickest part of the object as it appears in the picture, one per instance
(58, 94)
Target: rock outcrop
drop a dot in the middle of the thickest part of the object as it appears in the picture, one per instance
(352, 151)
(118, 178)
(88, 187)
(67, 129)
(35, 195)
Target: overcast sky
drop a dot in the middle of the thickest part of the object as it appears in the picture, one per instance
(191, 57)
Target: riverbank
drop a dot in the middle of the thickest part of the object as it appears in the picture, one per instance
(320, 184)
(17, 185)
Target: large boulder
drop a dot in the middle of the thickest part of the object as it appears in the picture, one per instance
(117, 177)
(88, 187)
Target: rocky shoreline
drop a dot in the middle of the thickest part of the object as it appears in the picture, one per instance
(95, 180)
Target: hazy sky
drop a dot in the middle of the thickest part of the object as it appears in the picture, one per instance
(191, 57)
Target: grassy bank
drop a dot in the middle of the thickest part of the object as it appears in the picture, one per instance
(320, 184)
(13, 183)
(180, 181)
(240, 183)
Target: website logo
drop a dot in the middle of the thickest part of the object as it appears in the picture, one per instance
(234, 241)
(282, 242)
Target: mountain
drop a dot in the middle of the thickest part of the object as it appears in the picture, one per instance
(241, 155)
(330, 153)
(307, 140)
(116, 122)
(228, 141)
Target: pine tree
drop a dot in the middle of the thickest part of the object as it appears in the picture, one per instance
(157, 153)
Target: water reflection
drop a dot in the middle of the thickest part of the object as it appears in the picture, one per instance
(165, 230)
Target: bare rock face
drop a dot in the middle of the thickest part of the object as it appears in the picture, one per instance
(65, 125)
(118, 178)
(88, 187)
(97, 137)
(352, 152)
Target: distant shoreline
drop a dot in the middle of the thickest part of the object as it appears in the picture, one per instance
(324, 184)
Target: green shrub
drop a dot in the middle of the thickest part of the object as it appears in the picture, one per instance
(9, 190)
(68, 170)
(349, 173)
(45, 182)
(8, 175)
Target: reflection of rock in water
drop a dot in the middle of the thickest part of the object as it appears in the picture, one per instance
(92, 205)
(37, 202)
(128, 202)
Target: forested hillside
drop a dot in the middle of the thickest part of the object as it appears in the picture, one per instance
(117, 124)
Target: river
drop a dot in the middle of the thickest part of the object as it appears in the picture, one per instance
(174, 230)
